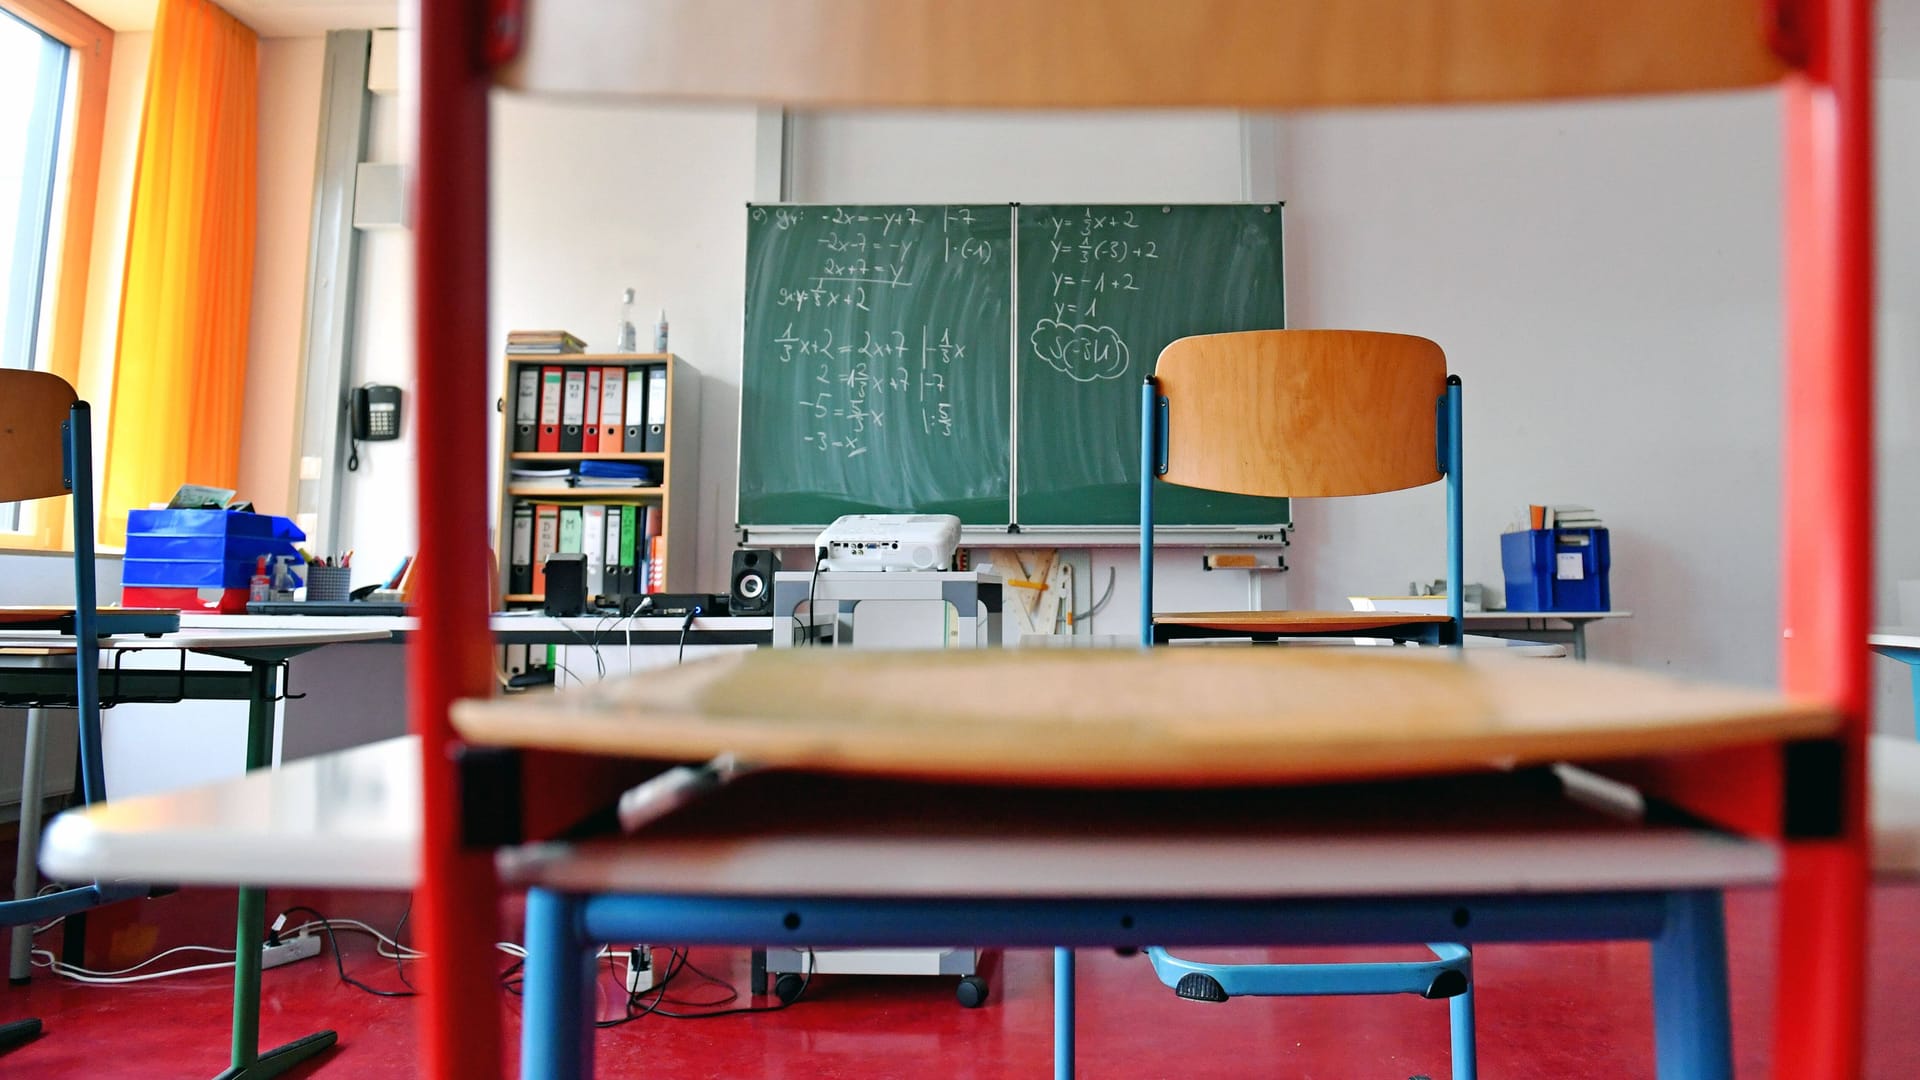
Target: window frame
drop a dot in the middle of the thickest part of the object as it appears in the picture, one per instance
(72, 234)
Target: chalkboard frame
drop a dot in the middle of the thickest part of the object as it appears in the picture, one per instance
(1249, 533)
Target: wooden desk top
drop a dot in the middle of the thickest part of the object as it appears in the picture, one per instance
(1118, 718)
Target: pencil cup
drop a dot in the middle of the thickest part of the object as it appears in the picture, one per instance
(328, 582)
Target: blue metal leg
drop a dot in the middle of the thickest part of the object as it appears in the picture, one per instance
(1692, 1038)
(1466, 1054)
(556, 1029)
(1063, 1014)
(1913, 669)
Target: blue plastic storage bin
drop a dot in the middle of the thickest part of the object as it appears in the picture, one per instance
(203, 549)
(1532, 563)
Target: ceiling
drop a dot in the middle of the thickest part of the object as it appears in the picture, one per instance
(269, 18)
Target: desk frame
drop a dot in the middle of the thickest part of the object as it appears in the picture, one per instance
(565, 931)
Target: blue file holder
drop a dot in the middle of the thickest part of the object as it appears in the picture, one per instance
(1532, 561)
(205, 549)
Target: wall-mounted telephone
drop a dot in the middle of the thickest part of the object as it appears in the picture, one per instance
(375, 413)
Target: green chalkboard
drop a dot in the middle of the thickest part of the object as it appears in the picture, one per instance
(1102, 289)
(889, 350)
(876, 375)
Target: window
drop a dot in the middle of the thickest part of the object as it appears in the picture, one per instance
(53, 79)
(33, 71)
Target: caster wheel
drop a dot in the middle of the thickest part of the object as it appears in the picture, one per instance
(1126, 950)
(972, 992)
(787, 988)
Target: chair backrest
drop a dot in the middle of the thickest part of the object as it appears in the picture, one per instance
(33, 405)
(1302, 412)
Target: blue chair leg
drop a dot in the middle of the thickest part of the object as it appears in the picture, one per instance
(1692, 1037)
(1913, 669)
(1063, 1011)
(1466, 1053)
(556, 1029)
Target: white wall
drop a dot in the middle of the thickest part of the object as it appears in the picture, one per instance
(1897, 418)
(378, 521)
(1606, 280)
(589, 200)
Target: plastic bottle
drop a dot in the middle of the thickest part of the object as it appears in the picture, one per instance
(627, 338)
(260, 588)
(660, 333)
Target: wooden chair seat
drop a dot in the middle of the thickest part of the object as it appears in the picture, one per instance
(1293, 622)
(1140, 717)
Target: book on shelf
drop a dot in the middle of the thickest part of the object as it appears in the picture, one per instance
(1563, 516)
(543, 343)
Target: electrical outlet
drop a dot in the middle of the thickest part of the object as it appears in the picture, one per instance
(290, 949)
(639, 969)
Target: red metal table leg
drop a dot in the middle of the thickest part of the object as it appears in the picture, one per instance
(1827, 559)
(450, 656)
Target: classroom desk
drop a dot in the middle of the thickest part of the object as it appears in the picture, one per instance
(31, 672)
(352, 819)
(529, 629)
(1537, 626)
(1902, 644)
(357, 694)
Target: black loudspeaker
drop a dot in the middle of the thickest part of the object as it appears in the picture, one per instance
(753, 570)
(566, 584)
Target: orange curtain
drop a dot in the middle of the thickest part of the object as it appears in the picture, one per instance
(180, 366)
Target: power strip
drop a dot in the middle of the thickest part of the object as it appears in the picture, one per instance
(299, 947)
(639, 969)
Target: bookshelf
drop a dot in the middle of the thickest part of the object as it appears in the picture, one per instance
(672, 499)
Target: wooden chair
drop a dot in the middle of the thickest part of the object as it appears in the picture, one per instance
(1308, 413)
(46, 451)
(1301, 413)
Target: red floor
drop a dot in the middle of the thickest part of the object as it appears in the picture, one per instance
(1561, 1012)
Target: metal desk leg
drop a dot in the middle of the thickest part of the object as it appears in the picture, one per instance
(26, 865)
(249, 928)
(556, 1028)
(1063, 1014)
(1579, 638)
(1692, 1038)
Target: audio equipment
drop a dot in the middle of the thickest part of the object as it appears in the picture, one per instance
(753, 570)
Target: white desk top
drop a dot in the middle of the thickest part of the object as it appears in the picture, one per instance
(351, 819)
(387, 624)
(1899, 637)
(197, 640)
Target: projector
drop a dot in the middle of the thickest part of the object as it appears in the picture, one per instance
(889, 542)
